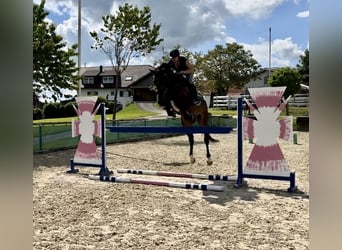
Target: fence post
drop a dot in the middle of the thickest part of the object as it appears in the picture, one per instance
(40, 138)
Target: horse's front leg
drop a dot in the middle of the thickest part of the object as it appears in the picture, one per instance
(191, 144)
(206, 141)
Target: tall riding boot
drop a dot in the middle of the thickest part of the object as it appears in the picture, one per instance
(193, 91)
(169, 109)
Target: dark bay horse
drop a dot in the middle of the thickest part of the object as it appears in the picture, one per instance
(173, 86)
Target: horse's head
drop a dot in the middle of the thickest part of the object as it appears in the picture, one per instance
(164, 75)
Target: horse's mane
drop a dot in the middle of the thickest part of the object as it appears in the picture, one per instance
(171, 73)
(164, 65)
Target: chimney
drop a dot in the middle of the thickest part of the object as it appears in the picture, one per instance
(101, 69)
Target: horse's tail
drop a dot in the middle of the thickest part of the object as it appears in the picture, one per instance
(212, 139)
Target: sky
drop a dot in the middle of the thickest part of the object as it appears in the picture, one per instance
(198, 26)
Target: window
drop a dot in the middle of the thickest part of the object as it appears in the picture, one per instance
(107, 79)
(124, 93)
(88, 80)
(92, 93)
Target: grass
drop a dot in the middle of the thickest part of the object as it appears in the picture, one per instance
(293, 111)
(51, 129)
(133, 112)
(57, 125)
(129, 112)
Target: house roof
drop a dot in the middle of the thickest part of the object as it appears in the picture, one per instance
(134, 73)
(131, 75)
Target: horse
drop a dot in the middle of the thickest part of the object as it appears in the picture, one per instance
(173, 87)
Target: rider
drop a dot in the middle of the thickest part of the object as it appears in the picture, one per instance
(182, 66)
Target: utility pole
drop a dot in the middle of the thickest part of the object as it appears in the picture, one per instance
(79, 48)
(269, 54)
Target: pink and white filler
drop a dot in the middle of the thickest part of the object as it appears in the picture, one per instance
(266, 157)
(86, 127)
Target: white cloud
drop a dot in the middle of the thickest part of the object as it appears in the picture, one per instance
(303, 14)
(197, 25)
(284, 52)
(255, 9)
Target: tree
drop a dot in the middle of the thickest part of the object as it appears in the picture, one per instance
(288, 77)
(229, 66)
(126, 35)
(53, 66)
(303, 67)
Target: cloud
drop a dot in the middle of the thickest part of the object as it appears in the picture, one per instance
(196, 25)
(255, 9)
(284, 52)
(303, 14)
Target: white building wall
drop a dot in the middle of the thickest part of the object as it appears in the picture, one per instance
(259, 82)
(106, 93)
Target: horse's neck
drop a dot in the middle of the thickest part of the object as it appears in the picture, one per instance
(178, 81)
(181, 94)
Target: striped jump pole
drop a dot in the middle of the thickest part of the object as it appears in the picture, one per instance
(170, 130)
(175, 174)
(157, 183)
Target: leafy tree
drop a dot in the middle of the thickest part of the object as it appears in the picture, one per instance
(303, 67)
(288, 77)
(229, 66)
(126, 35)
(53, 65)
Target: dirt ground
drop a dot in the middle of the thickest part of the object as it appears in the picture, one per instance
(71, 211)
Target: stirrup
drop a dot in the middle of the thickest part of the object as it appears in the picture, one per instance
(171, 113)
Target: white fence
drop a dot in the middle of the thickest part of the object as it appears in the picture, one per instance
(226, 101)
(299, 100)
(230, 102)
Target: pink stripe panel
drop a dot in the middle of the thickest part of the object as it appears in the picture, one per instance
(87, 151)
(285, 128)
(269, 158)
(248, 128)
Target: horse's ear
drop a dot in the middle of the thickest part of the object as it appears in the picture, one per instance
(153, 71)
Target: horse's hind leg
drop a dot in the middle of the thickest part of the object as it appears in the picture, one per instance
(206, 141)
(191, 143)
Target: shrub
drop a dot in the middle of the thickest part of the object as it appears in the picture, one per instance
(37, 114)
(50, 110)
(53, 110)
(69, 109)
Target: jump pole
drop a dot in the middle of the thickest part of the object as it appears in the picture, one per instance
(170, 130)
(206, 187)
(210, 177)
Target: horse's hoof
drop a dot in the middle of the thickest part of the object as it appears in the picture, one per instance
(209, 162)
(192, 160)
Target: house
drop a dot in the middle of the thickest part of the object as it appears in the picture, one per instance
(136, 82)
(260, 81)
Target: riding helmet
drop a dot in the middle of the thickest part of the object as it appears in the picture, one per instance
(174, 53)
